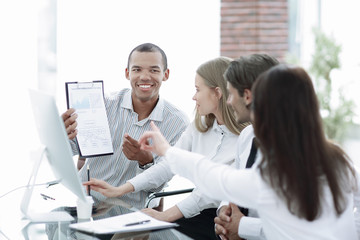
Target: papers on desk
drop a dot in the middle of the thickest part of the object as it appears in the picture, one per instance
(131, 222)
(87, 98)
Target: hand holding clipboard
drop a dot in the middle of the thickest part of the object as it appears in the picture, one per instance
(87, 98)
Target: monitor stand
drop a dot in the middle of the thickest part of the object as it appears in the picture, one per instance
(55, 216)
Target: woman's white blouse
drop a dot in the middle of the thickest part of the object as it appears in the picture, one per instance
(245, 187)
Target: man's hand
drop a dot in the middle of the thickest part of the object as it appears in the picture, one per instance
(69, 119)
(131, 149)
(227, 223)
(159, 144)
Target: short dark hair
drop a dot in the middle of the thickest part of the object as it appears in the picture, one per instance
(242, 72)
(149, 47)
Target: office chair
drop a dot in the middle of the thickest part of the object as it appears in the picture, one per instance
(165, 194)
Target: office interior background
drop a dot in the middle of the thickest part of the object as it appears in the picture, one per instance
(46, 43)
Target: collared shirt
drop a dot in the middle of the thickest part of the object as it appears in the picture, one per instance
(252, 191)
(250, 227)
(217, 144)
(116, 169)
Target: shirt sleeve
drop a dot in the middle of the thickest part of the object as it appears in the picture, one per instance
(160, 173)
(216, 180)
(74, 148)
(251, 228)
(195, 203)
(153, 177)
(223, 203)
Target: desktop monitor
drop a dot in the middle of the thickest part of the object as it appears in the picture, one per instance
(56, 145)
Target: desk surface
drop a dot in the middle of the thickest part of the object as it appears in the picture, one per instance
(13, 226)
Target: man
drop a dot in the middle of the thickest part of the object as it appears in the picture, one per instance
(231, 223)
(129, 114)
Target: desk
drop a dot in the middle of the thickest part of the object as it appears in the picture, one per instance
(12, 226)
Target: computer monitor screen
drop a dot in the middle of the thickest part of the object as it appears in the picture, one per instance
(52, 134)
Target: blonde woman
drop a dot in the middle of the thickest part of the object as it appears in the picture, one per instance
(213, 133)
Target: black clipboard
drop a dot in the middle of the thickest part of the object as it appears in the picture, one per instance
(86, 86)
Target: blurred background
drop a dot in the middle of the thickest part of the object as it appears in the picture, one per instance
(45, 43)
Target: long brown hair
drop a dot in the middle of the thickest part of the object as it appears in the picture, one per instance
(298, 160)
(213, 74)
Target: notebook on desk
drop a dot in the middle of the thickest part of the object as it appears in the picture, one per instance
(130, 222)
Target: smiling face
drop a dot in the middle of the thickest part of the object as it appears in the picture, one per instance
(146, 73)
(206, 98)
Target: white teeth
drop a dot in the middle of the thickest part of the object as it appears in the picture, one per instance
(144, 86)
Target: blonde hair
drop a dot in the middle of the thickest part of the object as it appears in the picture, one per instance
(212, 72)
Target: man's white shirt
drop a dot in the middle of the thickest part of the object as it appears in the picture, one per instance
(250, 227)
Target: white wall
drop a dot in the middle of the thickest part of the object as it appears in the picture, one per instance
(18, 71)
(94, 40)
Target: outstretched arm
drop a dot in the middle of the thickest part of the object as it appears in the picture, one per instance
(107, 190)
(170, 215)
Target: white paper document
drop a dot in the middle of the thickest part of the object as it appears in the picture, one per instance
(87, 99)
(130, 222)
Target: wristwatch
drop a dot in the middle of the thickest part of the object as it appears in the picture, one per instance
(146, 166)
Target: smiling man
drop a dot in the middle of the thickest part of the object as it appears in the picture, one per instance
(130, 112)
